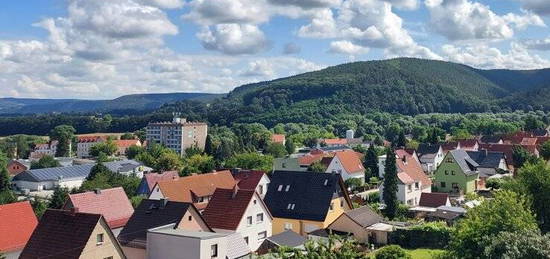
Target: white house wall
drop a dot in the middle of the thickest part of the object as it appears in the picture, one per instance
(252, 231)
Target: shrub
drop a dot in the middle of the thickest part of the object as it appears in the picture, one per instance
(392, 252)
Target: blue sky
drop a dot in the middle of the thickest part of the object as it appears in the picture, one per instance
(104, 49)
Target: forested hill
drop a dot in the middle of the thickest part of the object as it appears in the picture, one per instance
(125, 104)
(404, 85)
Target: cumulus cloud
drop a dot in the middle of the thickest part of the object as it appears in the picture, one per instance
(165, 4)
(291, 48)
(404, 4)
(539, 44)
(233, 39)
(484, 56)
(260, 68)
(467, 20)
(209, 12)
(347, 48)
(541, 7)
(307, 4)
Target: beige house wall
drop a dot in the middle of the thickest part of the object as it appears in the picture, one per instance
(109, 247)
(192, 221)
(345, 224)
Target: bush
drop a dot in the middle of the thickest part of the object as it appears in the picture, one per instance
(392, 252)
(427, 235)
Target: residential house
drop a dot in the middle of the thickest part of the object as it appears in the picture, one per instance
(490, 163)
(123, 144)
(71, 234)
(491, 140)
(46, 149)
(286, 238)
(278, 139)
(128, 167)
(178, 134)
(16, 226)
(508, 150)
(252, 180)
(156, 213)
(112, 203)
(240, 211)
(348, 164)
(85, 143)
(148, 181)
(450, 145)
(18, 166)
(357, 221)
(430, 156)
(170, 242)
(412, 181)
(305, 201)
(196, 189)
(333, 142)
(287, 164)
(447, 214)
(314, 156)
(469, 144)
(457, 174)
(434, 200)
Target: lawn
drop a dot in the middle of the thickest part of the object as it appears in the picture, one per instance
(423, 253)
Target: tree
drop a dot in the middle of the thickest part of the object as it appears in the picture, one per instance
(59, 197)
(64, 135)
(334, 248)
(392, 252)
(401, 140)
(520, 156)
(252, 161)
(133, 151)
(167, 161)
(97, 169)
(317, 167)
(39, 206)
(507, 212)
(193, 150)
(525, 244)
(127, 135)
(5, 184)
(108, 148)
(545, 150)
(208, 146)
(198, 164)
(389, 192)
(276, 150)
(289, 146)
(45, 162)
(353, 183)
(533, 123)
(371, 162)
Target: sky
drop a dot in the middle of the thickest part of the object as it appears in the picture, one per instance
(102, 49)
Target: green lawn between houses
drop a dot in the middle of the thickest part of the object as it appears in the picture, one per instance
(423, 253)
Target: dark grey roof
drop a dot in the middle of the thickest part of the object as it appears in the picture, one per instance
(540, 132)
(334, 148)
(55, 173)
(486, 159)
(467, 164)
(287, 238)
(427, 149)
(458, 210)
(364, 216)
(308, 195)
(446, 215)
(123, 165)
(490, 139)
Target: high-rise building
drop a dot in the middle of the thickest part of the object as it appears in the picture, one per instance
(178, 135)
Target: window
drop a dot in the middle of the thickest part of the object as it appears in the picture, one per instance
(260, 189)
(190, 218)
(290, 206)
(326, 182)
(259, 218)
(249, 220)
(99, 239)
(287, 188)
(255, 202)
(409, 187)
(416, 186)
(331, 206)
(246, 240)
(288, 226)
(443, 185)
(109, 257)
(446, 172)
(342, 203)
(214, 250)
(262, 235)
(453, 172)
(449, 160)
(280, 188)
(455, 185)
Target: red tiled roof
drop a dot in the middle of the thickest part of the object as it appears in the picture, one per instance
(226, 209)
(409, 165)
(433, 200)
(83, 139)
(350, 160)
(541, 140)
(528, 141)
(507, 149)
(183, 188)
(125, 143)
(278, 138)
(113, 204)
(248, 180)
(154, 178)
(447, 146)
(17, 222)
(335, 141)
(468, 143)
(310, 159)
(61, 234)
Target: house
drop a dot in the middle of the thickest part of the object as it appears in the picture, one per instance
(16, 225)
(323, 235)
(278, 139)
(286, 238)
(252, 180)
(156, 213)
(490, 163)
(434, 200)
(40, 150)
(491, 140)
(333, 142)
(18, 166)
(85, 143)
(447, 214)
(451, 145)
(430, 156)
(123, 144)
(240, 211)
(469, 144)
(287, 164)
(170, 242)
(149, 180)
(112, 203)
(457, 174)
(508, 150)
(49, 178)
(197, 189)
(357, 221)
(305, 201)
(128, 167)
(348, 164)
(71, 234)
(412, 181)
(308, 159)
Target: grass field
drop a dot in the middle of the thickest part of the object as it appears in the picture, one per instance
(423, 253)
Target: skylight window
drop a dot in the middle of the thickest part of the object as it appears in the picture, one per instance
(287, 188)
(280, 188)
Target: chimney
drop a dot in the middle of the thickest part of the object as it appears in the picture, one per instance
(97, 191)
(235, 191)
(163, 202)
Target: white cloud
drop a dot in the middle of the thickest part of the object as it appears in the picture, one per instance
(233, 39)
(307, 4)
(209, 12)
(347, 48)
(261, 68)
(541, 7)
(540, 44)
(322, 25)
(165, 4)
(522, 21)
(483, 56)
(404, 4)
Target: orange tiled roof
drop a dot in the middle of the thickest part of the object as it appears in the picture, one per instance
(17, 222)
(335, 141)
(278, 138)
(183, 189)
(409, 165)
(124, 143)
(350, 161)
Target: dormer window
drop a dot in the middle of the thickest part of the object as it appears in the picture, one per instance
(280, 188)
(326, 182)
(290, 206)
(287, 188)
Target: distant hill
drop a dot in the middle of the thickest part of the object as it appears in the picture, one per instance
(134, 102)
